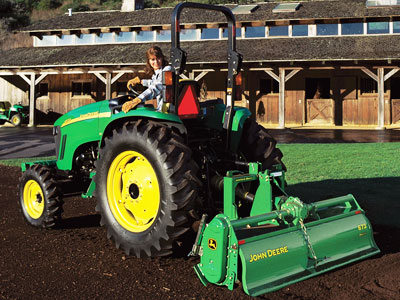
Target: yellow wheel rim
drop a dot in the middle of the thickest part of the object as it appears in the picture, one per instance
(132, 191)
(33, 199)
(14, 120)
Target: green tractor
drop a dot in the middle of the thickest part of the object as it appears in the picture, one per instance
(204, 165)
(14, 114)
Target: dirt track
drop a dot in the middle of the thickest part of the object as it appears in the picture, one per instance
(77, 261)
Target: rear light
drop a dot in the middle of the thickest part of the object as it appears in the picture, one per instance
(238, 79)
(167, 78)
(238, 84)
(241, 242)
(168, 96)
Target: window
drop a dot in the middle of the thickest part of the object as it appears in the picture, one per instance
(47, 40)
(81, 88)
(254, 32)
(300, 30)
(163, 35)
(104, 38)
(121, 88)
(268, 86)
(396, 26)
(209, 33)
(370, 86)
(65, 39)
(124, 37)
(318, 88)
(238, 33)
(43, 89)
(84, 39)
(327, 29)
(377, 27)
(352, 28)
(145, 36)
(279, 31)
(188, 34)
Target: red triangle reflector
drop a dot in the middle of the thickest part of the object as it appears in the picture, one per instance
(188, 105)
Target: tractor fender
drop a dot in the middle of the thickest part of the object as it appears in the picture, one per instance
(241, 115)
(143, 113)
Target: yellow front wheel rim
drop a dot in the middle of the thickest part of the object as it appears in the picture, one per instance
(33, 199)
(132, 191)
(14, 120)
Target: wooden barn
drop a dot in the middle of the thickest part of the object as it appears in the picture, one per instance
(318, 63)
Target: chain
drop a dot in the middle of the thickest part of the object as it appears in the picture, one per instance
(307, 238)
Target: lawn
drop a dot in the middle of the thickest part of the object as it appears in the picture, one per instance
(371, 172)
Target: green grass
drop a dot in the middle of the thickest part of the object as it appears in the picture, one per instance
(315, 162)
(371, 172)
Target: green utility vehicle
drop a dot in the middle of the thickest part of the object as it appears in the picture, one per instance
(204, 165)
(15, 114)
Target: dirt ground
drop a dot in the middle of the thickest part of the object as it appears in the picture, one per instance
(77, 261)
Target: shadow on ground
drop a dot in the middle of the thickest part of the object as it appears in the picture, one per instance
(379, 197)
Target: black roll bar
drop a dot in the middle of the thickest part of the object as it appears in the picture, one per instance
(178, 56)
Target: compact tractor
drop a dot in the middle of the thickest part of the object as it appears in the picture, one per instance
(15, 114)
(156, 174)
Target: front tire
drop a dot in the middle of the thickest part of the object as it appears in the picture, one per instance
(145, 187)
(39, 199)
(16, 120)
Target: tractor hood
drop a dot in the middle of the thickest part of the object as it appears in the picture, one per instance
(86, 112)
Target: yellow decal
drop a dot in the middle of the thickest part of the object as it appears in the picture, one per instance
(362, 226)
(212, 244)
(88, 116)
(268, 253)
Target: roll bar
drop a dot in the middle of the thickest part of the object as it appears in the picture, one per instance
(178, 56)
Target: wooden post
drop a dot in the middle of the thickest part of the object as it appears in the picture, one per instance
(32, 101)
(381, 98)
(281, 98)
(108, 85)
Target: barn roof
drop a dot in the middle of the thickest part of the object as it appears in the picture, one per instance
(308, 10)
(345, 48)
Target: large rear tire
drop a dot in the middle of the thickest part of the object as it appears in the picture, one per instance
(39, 199)
(258, 145)
(145, 187)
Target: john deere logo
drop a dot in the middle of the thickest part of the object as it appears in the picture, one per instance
(212, 244)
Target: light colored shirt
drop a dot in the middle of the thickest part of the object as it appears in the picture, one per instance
(154, 87)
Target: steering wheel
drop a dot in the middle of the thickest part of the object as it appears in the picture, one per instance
(133, 92)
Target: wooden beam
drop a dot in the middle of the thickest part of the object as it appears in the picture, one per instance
(85, 31)
(105, 30)
(201, 75)
(32, 101)
(146, 28)
(41, 77)
(381, 98)
(27, 80)
(66, 32)
(281, 98)
(189, 26)
(126, 29)
(116, 77)
(370, 73)
(108, 86)
(100, 76)
(291, 74)
(272, 74)
(257, 23)
(390, 74)
(212, 25)
(184, 76)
